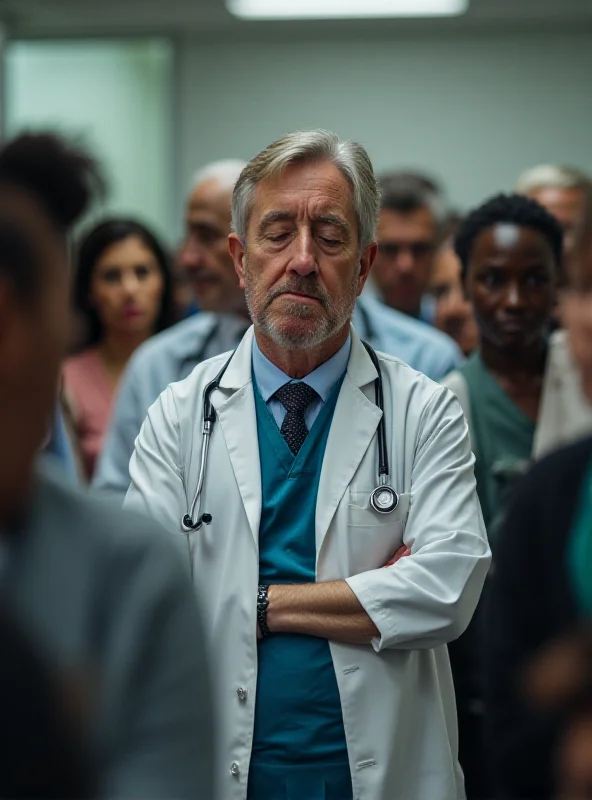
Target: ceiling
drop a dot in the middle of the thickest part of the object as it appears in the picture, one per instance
(65, 18)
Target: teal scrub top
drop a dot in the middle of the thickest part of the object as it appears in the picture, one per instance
(502, 439)
(299, 747)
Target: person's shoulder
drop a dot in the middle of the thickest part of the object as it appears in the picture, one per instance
(98, 529)
(193, 385)
(178, 341)
(406, 378)
(403, 325)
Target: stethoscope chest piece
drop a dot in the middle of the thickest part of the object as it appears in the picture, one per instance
(384, 499)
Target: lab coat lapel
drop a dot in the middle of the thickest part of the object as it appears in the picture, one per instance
(235, 407)
(355, 420)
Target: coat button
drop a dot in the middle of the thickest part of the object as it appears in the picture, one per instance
(241, 693)
(234, 769)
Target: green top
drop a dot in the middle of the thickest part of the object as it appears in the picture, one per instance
(502, 438)
(579, 555)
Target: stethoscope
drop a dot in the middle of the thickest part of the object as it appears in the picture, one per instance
(383, 499)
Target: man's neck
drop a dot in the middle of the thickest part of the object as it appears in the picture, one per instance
(300, 363)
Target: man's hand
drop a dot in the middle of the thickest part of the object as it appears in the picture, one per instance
(401, 553)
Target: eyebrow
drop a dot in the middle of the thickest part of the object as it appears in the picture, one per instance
(275, 216)
(286, 216)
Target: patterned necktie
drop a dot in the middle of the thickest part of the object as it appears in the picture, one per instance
(295, 398)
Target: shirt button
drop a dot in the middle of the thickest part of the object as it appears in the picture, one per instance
(241, 693)
(234, 769)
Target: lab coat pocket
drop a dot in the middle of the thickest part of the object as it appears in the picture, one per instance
(373, 538)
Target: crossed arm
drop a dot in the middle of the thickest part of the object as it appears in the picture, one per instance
(328, 610)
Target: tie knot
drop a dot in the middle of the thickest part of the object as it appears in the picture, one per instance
(296, 397)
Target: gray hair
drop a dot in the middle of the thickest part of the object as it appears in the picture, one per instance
(406, 192)
(226, 172)
(556, 176)
(306, 147)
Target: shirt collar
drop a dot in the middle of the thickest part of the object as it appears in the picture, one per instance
(270, 378)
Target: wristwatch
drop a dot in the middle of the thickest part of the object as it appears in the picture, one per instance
(262, 605)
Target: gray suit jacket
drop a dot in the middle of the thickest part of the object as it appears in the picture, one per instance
(107, 599)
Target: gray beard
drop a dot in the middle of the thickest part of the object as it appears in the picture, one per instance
(337, 315)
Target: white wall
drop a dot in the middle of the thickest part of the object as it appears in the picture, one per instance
(116, 95)
(475, 110)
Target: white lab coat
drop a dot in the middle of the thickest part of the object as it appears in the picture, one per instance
(396, 693)
(564, 414)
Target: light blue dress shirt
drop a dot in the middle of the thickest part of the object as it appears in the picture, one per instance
(59, 447)
(389, 331)
(270, 378)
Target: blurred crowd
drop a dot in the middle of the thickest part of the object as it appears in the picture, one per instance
(494, 303)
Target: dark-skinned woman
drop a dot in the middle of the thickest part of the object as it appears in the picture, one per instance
(510, 251)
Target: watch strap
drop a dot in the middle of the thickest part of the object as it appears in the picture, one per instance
(262, 605)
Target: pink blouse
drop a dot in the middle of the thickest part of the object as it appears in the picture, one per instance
(89, 396)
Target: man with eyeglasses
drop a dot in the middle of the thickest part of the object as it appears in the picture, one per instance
(410, 228)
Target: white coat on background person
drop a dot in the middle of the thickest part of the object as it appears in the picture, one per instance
(397, 697)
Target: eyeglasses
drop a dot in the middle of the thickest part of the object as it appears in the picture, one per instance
(392, 250)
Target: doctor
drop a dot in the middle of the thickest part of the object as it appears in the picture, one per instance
(332, 678)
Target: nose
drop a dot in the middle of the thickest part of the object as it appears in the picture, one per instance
(303, 261)
(514, 297)
(130, 285)
(405, 261)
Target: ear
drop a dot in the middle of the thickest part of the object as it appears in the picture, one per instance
(366, 261)
(237, 251)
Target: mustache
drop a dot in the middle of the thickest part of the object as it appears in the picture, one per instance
(301, 285)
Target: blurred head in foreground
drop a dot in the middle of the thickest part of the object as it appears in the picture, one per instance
(45, 187)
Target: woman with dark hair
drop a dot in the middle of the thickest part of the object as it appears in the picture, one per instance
(123, 294)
